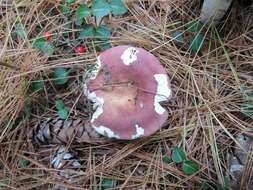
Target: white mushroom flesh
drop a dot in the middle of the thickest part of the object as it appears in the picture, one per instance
(163, 92)
(139, 132)
(98, 103)
(105, 131)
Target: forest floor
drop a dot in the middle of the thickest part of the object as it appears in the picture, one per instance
(211, 72)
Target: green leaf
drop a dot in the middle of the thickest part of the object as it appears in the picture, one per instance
(70, 1)
(26, 110)
(100, 8)
(190, 167)
(86, 32)
(46, 47)
(59, 105)
(167, 159)
(194, 26)
(82, 11)
(108, 183)
(178, 155)
(38, 43)
(102, 32)
(247, 109)
(37, 85)
(208, 185)
(196, 43)
(247, 93)
(249, 96)
(178, 36)
(60, 76)
(23, 162)
(64, 9)
(118, 7)
(61, 109)
(20, 30)
(63, 114)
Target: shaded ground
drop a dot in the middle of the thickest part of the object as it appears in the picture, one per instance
(210, 105)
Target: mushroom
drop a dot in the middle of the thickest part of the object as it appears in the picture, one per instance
(126, 88)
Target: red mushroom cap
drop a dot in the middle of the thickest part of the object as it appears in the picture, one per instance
(127, 88)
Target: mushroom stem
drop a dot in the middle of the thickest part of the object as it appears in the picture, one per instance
(214, 10)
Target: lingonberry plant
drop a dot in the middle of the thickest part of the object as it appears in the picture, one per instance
(77, 19)
(85, 24)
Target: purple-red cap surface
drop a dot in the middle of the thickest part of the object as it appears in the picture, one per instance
(127, 87)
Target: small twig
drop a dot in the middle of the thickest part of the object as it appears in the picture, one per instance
(114, 84)
(128, 83)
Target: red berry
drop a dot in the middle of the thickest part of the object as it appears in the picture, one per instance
(80, 49)
(47, 35)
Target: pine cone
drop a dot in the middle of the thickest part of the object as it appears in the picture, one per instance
(66, 162)
(59, 131)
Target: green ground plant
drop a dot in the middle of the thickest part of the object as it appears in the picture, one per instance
(42, 73)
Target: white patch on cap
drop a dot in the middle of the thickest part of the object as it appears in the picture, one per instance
(98, 102)
(139, 132)
(102, 130)
(141, 104)
(97, 105)
(91, 75)
(163, 92)
(129, 55)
